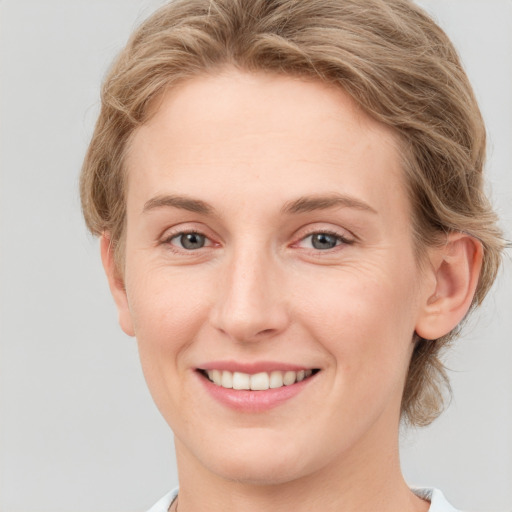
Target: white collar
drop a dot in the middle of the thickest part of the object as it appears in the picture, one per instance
(438, 502)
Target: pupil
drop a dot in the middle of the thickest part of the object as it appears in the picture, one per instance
(324, 241)
(192, 241)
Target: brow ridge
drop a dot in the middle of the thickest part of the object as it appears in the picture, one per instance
(306, 204)
(178, 201)
(303, 204)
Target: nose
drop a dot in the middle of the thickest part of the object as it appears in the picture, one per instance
(250, 303)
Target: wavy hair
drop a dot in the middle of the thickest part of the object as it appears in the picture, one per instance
(388, 55)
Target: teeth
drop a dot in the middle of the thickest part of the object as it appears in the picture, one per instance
(258, 381)
(276, 380)
(289, 378)
(226, 380)
(241, 380)
(216, 377)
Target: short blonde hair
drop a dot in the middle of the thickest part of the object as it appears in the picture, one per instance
(393, 60)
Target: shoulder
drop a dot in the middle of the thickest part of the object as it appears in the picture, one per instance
(438, 503)
(163, 504)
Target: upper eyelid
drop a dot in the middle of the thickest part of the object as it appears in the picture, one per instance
(167, 241)
(342, 233)
(208, 241)
(177, 234)
(343, 240)
(326, 232)
(172, 231)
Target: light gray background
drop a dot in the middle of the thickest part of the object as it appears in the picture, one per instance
(78, 430)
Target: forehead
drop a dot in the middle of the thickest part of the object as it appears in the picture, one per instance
(237, 133)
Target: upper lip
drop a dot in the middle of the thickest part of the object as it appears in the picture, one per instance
(253, 367)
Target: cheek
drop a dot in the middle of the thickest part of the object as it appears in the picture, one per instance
(167, 307)
(365, 318)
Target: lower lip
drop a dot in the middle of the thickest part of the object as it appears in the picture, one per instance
(254, 401)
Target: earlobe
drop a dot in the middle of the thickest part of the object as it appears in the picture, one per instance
(116, 284)
(456, 269)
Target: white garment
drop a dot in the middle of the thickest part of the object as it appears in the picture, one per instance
(163, 504)
(438, 502)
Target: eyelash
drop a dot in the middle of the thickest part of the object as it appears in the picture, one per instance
(340, 240)
(168, 239)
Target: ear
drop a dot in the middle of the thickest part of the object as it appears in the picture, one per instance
(455, 269)
(116, 284)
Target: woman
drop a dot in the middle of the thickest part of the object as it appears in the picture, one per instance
(290, 202)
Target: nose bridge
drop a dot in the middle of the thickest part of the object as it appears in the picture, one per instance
(250, 305)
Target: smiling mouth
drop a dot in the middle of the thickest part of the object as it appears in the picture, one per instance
(257, 381)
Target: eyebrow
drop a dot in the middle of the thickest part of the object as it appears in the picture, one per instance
(182, 202)
(303, 204)
(323, 202)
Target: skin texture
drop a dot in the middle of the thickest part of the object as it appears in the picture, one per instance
(248, 146)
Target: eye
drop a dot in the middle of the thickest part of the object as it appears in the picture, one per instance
(323, 241)
(189, 241)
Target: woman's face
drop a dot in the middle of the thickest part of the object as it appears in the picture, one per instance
(269, 235)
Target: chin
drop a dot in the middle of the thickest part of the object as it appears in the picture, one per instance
(262, 460)
(258, 472)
